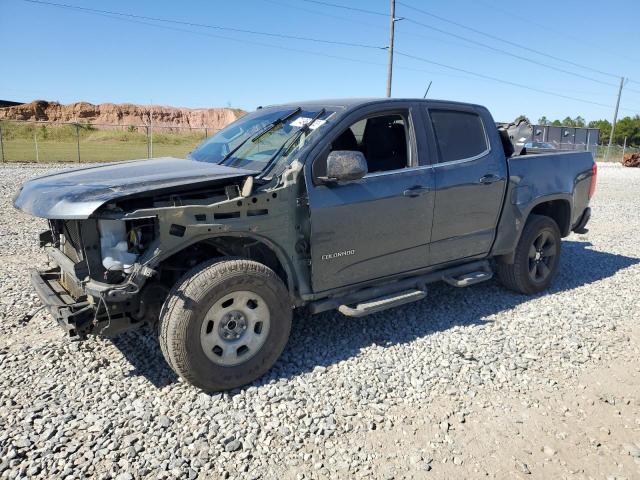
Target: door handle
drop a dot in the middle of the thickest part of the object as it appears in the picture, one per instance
(489, 179)
(415, 191)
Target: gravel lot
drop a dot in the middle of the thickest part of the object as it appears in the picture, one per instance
(468, 383)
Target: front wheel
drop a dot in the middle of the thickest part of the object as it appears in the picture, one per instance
(225, 324)
(536, 257)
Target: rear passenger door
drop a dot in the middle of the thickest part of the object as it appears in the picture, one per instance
(470, 179)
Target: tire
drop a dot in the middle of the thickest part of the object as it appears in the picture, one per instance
(225, 323)
(536, 258)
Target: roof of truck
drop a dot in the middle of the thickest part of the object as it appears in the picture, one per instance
(349, 103)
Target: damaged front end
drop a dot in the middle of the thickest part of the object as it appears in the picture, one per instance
(101, 259)
(112, 270)
(122, 235)
(96, 285)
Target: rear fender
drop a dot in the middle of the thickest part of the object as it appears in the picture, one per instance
(516, 214)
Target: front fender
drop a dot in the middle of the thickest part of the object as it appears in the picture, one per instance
(202, 233)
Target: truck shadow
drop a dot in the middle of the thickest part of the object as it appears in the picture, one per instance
(329, 338)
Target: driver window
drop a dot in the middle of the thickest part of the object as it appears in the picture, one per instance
(382, 139)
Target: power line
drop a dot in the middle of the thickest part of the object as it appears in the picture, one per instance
(494, 37)
(267, 45)
(136, 19)
(250, 42)
(367, 24)
(203, 25)
(505, 52)
(324, 14)
(345, 7)
(559, 33)
(507, 82)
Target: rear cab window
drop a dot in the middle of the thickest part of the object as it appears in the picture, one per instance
(460, 135)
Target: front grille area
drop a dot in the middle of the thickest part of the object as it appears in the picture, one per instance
(71, 244)
(70, 284)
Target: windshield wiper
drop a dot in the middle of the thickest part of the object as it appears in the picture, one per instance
(286, 146)
(275, 123)
(262, 132)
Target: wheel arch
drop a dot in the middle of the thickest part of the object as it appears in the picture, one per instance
(557, 207)
(231, 244)
(559, 210)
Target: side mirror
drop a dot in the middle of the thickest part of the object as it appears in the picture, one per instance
(345, 165)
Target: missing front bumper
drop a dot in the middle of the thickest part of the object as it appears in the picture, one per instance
(75, 316)
(78, 316)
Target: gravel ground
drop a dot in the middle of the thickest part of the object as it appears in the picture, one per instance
(468, 383)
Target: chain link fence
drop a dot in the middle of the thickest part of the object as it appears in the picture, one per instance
(23, 141)
(616, 153)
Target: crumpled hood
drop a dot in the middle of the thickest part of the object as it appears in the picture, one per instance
(77, 193)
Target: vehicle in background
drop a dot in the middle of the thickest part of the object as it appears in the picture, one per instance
(540, 147)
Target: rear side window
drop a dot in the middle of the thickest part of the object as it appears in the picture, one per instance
(460, 135)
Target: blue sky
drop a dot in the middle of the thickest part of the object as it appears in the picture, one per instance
(66, 55)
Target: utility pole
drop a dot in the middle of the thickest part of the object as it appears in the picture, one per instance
(615, 118)
(392, 24)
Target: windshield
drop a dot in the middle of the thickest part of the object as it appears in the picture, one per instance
(266, 137)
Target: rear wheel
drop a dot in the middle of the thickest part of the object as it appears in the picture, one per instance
(225, 324)
(536, 257)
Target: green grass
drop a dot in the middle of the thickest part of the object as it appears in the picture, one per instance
(58, 143)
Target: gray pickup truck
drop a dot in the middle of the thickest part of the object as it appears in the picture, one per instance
(348, 205)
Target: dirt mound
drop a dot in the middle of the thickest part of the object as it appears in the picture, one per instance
(631, 160)
(121, 114)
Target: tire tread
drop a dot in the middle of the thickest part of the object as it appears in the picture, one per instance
(193, 286)
(514, 275)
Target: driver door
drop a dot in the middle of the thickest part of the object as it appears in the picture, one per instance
(379, 225)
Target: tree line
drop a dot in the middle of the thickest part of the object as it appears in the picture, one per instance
(628, 127)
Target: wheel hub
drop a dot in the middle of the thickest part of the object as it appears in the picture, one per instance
(233, 325)
(235, 328)
(542, 254)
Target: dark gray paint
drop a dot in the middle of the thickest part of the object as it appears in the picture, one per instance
(455, 218)
(387, 230)
(470, 218)
(541, 178)
(468, 199)
(77, 193)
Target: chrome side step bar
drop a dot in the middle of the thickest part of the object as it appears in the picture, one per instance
(470, 278)
(382, 303)
(374, 298)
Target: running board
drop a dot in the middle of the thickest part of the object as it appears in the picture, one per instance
(382, 303)
(399, 287)
(468, 279)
